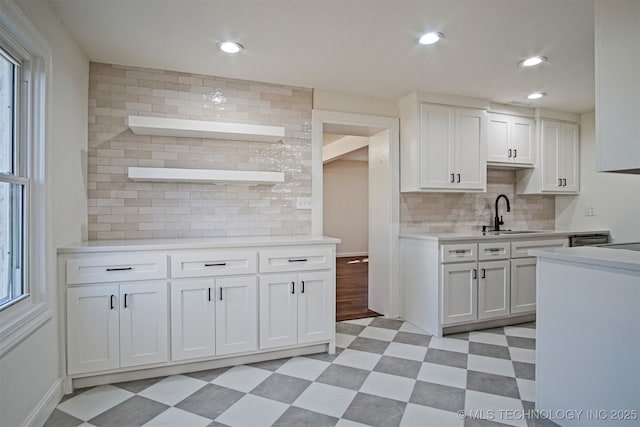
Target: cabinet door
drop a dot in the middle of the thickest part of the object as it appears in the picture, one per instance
(436, 146)
(236, 314)
(143, 323)
(470, 153)
(315, 311)
(498, 138)
(551, 137)
(569, 158)
(278, 310)
(522, 140)
(493, 289)
(523, 285)
(192, 318)
(92, 328)
(459, 291)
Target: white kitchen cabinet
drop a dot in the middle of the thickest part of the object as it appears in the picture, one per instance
(558, 169)
(236, 314)
(617, 72)
(494, 288)
(212, 316)
(443, 148)
(112, 326)
(193, 318)
(295, 308)
(143, 323)
(510, 140)
(459, 292)
(523, 285)
(93, 334)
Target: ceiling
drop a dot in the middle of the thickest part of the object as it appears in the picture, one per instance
(360, 47)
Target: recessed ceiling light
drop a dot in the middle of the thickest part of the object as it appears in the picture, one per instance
(536, 95)
(430, 38)
(533, 61)
(230, 47)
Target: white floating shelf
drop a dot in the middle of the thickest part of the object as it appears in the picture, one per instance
(160, 126)
(205, 175)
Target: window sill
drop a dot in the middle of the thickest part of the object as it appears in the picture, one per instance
(22, 325)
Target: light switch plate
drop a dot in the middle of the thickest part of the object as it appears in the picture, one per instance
(303, 203)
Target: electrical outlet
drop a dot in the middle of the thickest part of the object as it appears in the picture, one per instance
(303, 203)
(589, 211)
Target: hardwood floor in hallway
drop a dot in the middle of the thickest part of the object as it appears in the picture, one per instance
(352, 288)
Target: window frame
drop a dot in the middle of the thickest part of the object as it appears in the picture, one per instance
(22, 41)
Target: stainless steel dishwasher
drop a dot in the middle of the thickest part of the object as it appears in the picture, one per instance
(588, 239)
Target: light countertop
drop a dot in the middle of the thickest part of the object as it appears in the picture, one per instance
(89, 246)
(444, 237)
(595, 256)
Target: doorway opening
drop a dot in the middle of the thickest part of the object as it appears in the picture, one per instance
(356, 198)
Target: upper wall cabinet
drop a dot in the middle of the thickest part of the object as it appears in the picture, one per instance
(442, 148)
(617, 66)
(559, 153)
(511, 141)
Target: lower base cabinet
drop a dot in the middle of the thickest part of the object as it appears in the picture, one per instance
(212, 316)
(493, 289)
(523, 285)
(116, 325)
(295, 308)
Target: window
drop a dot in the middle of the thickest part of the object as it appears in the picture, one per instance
(13, 184)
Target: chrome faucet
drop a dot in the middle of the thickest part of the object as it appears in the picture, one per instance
(497, 221)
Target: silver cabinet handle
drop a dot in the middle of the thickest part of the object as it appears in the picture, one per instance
(119, 268)
(509, 152)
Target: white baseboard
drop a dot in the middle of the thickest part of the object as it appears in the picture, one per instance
(45, 407)
(348, 254)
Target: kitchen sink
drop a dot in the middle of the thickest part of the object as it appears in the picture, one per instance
(496, 233)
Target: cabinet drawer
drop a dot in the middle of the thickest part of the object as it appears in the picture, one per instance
(461, 252)
(213, 263)
(120, 267)
(521, 249)
(497, 250)
(296, 259)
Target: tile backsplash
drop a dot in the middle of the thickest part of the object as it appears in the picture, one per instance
(120, 208)
(467, 212)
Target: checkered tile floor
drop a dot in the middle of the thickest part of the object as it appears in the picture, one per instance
(386, 372)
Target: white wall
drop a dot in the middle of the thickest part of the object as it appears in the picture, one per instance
(30, 371)
(345, 103)
(614, 197)
(346, 199)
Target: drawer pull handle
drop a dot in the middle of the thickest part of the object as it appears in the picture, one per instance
(293, 287)
(119, 268)
(216, 264)
(209, 294)
(484, 273)
(298, 260)
(125, 300)
(111, 302)
(220, 294)
(461, 251)
(495, 249)
(302, 290)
